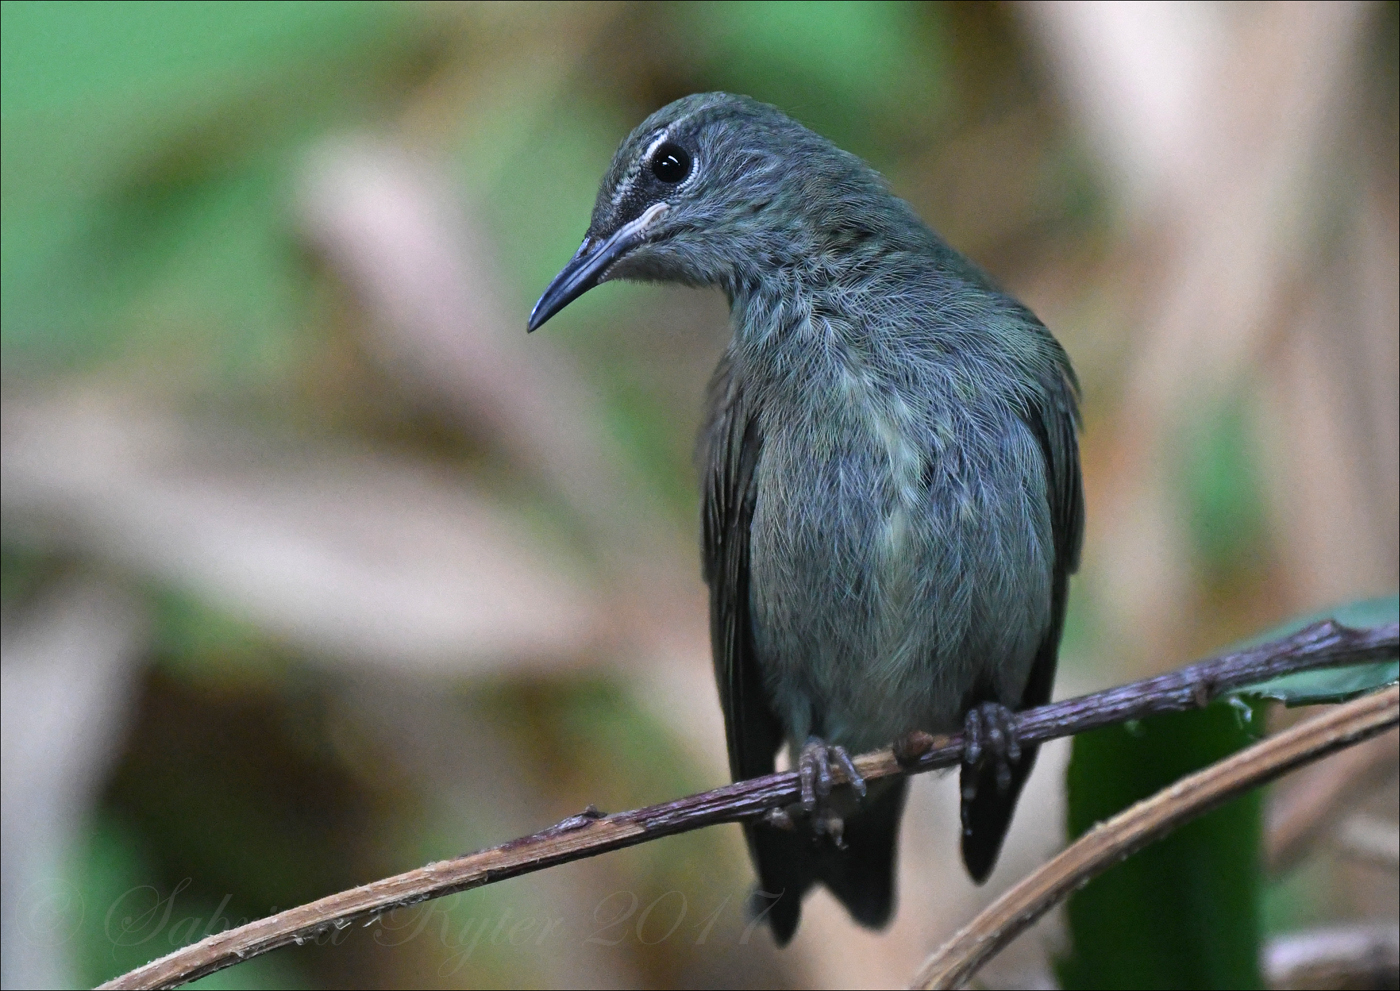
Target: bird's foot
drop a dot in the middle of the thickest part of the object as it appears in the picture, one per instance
(814, 764)
(989, 735)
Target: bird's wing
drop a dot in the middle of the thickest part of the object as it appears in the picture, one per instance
(861, 874)
(731, 443)
(1051, 411)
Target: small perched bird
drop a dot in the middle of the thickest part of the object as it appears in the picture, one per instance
(892, 495)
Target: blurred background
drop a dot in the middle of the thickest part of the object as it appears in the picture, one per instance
(316, 568)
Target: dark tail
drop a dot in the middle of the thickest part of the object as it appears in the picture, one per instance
(987, 817)
(861, 876)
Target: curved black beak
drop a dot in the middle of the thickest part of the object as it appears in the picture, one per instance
(589, 265)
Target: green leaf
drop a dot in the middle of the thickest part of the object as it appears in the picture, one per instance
(1186, 911)
(1333, 684)
(1329, 685)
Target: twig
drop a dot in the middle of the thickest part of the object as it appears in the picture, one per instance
(1335, 958)
(1369, 839)
(590, 833)
(1353, 956)
(1316, 798)
(954, 963)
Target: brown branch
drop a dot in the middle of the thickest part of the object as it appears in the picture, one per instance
(590, 832)
(953, 964)
(1365, 955)
(1316, 798)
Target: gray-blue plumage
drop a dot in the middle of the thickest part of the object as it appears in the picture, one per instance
(890, 469)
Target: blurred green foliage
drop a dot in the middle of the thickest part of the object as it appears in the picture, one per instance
(146, 155)
(851, 70)
(1223, 489)
(1186, 911)
(128, 920)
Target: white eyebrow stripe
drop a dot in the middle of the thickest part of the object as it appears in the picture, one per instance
(656, 142)
(625, 186)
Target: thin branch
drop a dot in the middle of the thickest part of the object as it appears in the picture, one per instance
(1315, 799)
(590, 833)
(953, 964)
(1370, 839)
(1365, 955)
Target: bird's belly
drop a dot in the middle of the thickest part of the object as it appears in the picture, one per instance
(881, 601)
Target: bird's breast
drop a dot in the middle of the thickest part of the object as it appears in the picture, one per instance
(885, 427)
(899, 550)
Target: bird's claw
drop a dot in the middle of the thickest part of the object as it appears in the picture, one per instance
(814, 771)
(814, 764)
(989, 733)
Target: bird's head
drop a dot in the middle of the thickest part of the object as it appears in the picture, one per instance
(715, 189)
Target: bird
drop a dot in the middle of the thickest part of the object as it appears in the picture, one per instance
(889, 462)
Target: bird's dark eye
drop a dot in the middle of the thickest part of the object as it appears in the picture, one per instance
(670, 163)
